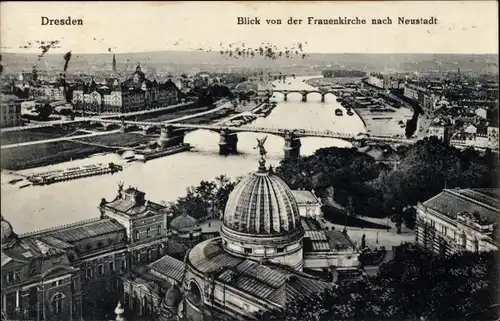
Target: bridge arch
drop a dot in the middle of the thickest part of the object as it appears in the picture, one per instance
(95, 125)
(111, 126)
(151, 129)
(132, 127)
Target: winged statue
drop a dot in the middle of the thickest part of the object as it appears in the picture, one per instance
(260, 146)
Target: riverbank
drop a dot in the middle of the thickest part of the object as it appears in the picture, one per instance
(389, 121)
(31, 156)
(384, 124)
(166, 178)
(43, 154)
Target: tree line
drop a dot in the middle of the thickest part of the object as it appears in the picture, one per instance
(365, 187)
(416, 285)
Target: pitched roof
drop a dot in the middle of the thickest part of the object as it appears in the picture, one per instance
(86, 230)
(129, 206)
(169, 267)
(272, 283)
(299, 288)
(304, 196)
(453, 202)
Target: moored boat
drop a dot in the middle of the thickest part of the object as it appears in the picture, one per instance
(51, 177)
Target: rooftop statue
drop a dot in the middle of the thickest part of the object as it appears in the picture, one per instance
(120, 188)
(260, 146)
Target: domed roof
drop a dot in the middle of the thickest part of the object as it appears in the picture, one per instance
(7, 232)
(183, 223)
(262, 203)
(172, 297)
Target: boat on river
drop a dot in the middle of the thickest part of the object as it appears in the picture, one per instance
(144, 156)
(14, 181)
(51, 177)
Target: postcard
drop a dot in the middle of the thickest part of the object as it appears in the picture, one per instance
(249, 160)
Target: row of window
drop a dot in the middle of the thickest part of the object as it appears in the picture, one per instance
(149, 254)
(13, 276)
(149, 233)
(89, 272)
(248, 250)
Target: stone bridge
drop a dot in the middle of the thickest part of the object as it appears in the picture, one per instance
(175, 132)
(304, 93)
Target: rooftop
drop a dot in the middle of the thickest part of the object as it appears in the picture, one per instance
(302, 196)
(269, 283)
(27, 249)
(169, 267)
(262, 203)
(451, 202)
(322, 240)
(132, 202)
(86, 230)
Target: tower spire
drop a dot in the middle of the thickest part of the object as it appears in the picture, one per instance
(114, 63)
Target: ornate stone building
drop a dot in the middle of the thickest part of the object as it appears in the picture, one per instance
(134, 94)
(259, 262)
(38, 279)
(145, 223)
(185, 230)
(62, 272)
(459, 220)
(265, 257)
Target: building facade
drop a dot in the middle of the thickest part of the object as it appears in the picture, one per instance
(262, 260)
(135, 94)
(423, 96)
(459, 220)
(308, 203)
(479, 138)
(65, 272)
(10, 111)
(442, 132)
(384, 81)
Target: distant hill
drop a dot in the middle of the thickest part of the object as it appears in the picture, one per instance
(192, 61)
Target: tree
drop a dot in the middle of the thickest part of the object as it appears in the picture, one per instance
(424, 170)
(45, 111)
(204, 200)
(415, 284)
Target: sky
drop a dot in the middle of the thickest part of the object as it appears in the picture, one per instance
(463, 26)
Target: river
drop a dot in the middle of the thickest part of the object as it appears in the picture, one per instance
(166, 179)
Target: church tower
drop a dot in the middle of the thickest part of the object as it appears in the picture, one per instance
(114, 63)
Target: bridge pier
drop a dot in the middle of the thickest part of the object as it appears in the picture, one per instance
(304, 97)
(169, 137)
(322, 98)
(292, 145)
(228, 143)
(122, 124)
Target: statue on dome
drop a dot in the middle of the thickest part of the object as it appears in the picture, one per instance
(260, 146)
